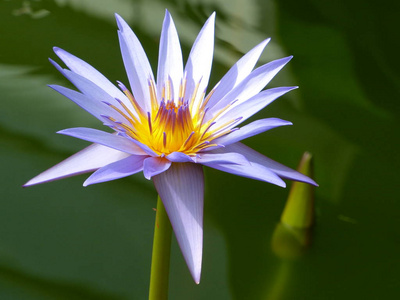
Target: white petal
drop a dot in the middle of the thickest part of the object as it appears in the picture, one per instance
(181, 189)
(250, 86)
(92, 106)
(153, 166)
(105, 139)
(251, 170)
(87, 87)
(119, 169)
(95, 92)
(87, 160)
(137, 65)
(240, 70)
(253, 105)
(170, 64)
(281, 170)
(180, 157)
(221, 158)
(251, 129)
(82, 68)
(198, 66)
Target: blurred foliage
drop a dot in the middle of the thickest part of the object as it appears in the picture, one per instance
(63, 241)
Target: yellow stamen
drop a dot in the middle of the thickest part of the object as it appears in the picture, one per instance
(172, 124)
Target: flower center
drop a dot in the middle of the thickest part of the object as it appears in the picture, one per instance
(171, 126)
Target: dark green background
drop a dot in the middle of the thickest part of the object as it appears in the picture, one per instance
(62, 241)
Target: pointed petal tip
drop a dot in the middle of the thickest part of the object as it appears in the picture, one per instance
(265, 42)
(117, 16)
(32, 181)
(197, 279)
(27, 184)
(35, 181)
(89, 181)
(306, 180)
(59, 51)
(195, 271)
(211, 19)
(57, 66)
(120, 22)
(284, 60)
(281, 184)
(39, 179)
(63, 131)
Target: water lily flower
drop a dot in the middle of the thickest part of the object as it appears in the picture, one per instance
(169, 127)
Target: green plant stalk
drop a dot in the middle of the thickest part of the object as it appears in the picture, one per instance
(161, 255)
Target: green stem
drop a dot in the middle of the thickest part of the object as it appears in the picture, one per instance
(161, 254)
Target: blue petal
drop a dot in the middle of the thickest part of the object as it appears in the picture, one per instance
(198, 66)
(137, 65)
(153, 166)
(257, 158)
(170, 64)
(93, 91)
(104, 138)
(250, 86)
(239, 71)
(221, 158)
(250, 170)
(85, 70)
(92, 106)
(181, 190)
(251, 129)
(119, 169)
(179, 157)
(86, 160)
(253, 105)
